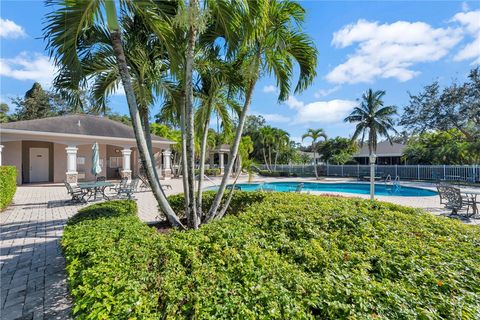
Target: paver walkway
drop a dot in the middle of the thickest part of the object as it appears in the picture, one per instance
(33, 284)
(33, 281)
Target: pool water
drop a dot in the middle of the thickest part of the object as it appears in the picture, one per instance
(357, 188)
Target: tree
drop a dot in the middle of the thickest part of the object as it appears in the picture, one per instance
(67, 28)
(37, 104)
(315, 134)
(4, 113)
(270, 41)
(337, 150)
(441, 147)
(253, 123)
(372, 118)
(455, 107)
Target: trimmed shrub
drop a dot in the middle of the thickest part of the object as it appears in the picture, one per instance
(210, 172)
(284, 256)
(8, 185)
(112, 263)
(267, 173)
(240, 201)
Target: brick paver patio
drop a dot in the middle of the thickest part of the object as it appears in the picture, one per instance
(33, 281)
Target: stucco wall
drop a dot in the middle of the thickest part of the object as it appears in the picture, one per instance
(60, 160)
(12, 156)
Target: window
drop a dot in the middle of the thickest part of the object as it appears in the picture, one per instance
(115, 162)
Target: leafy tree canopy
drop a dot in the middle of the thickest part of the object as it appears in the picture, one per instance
(337, 150)
(38, 103)
(442, 147)
(455, 107)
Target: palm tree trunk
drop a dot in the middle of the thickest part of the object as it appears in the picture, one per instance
(136, 120)
(183, 168)
(265, 159)
(212, 213)
(203, 152)
(315, 160)
(192, 218)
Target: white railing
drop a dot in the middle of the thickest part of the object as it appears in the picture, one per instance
(468, 173)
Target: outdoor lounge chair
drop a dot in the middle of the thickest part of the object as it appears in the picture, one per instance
(441, 188)
(123, 183)
(77, 194)
(235, 187)
(454, 199)
(128, 189)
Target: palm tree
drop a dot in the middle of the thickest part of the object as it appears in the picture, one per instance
(214, 94)
(282, 138)
(266, 139)
(72, 22)
(372, 118)
(270, 41)
(315, 135)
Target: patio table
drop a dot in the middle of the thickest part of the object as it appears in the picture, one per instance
(94, 187)
(472, 195)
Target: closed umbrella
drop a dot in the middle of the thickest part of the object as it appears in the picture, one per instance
(96, 168)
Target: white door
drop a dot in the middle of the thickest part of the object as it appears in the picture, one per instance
(38, 164)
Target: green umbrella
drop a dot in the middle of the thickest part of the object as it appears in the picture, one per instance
(96, 168)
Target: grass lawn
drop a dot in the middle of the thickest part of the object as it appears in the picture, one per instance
(279, 255)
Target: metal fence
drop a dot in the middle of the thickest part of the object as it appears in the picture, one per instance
(470, 173)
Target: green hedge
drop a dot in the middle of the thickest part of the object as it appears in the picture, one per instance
(210, 172)
(267, 173)
(8, 185)
(287, 256)
(112, 262)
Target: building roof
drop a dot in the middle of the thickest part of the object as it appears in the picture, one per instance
(384, 149)
(80, 124)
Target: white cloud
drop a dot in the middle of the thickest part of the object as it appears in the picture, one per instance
(465, 6)
(331, 111)
(470, 21)
(9, 29)
(293, 103)
(28, 66)
(325, 92)
(274, 117)
(269, 89)
(389, 50)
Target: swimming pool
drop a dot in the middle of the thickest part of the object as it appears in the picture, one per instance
(357, 188)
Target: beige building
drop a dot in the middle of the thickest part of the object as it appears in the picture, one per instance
(60, 148)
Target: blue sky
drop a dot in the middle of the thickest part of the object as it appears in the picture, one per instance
(387, 45)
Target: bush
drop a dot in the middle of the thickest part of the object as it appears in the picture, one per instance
(286, 256)
(8, 185)
(267, 173)
(210, 172)
(112, 262)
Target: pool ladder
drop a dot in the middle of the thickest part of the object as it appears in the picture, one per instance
(395, 183)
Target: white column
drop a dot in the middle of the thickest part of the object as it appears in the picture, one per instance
(126, 170)
(167, 171)
(1, 147)
(222, 164)
(72, 174)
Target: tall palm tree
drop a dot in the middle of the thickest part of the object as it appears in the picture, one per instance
(67, 27)
(372, 118)
(266, 139)
(214, 93)
(270, 40)
(282, 138)
(315, 134)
